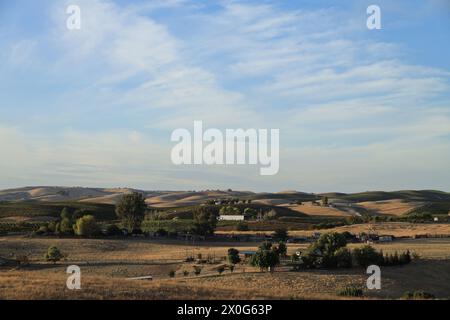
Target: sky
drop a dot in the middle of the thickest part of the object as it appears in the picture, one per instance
(357, 109)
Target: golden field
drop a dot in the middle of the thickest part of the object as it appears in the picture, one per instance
(106, 265)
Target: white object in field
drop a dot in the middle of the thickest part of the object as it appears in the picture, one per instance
(142, 278)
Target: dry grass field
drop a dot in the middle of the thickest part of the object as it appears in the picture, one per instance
(106, 265)
(394, 207)
(397, 229)
(309, 209)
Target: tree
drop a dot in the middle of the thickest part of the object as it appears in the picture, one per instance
(131, 209)
(53, 254)
(271, 215)
(66, 226)
(205, 221)
(343, 258)
(282, 249)
(322, 252)
(325, 201)
(229, 210)
(250, 212)
(367, 255)
(233, 256)
(65, 214)
(280, 234)
(266, 258)
(86, 226)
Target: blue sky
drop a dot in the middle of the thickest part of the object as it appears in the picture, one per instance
(357, 109)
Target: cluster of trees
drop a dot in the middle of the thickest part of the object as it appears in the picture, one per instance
(330, 251)
(227, 201)
(268, 256)
(130, 209)
(78, 223)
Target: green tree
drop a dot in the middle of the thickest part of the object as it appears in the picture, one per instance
(131, 210)
(343, 258)
(250, 212)
(66, 226)
(205, 221)
(280, 234)
(65, 214)
(53, 254)
(367, 255)
(322, 252)
(266, 258)
(233, 256)
(282, 249)
(229, 210)
(86, 226)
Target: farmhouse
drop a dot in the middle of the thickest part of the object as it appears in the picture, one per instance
(237, 217)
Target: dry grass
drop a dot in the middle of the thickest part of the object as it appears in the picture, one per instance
(394, 207)
(106, 264)
(309, 209)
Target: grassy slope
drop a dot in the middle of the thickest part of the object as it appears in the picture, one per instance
(53, 209)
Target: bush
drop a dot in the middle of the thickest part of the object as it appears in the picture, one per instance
(86, 226)
(220, 269)
(171, 273)
(343, 258)
(185, 273)
(281, 249)
(233, 256)
(53, 254)
(367, 255)
(350, 292)
(113, 230)
(417, 295)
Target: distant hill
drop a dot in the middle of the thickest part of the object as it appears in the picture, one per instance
(48, 200)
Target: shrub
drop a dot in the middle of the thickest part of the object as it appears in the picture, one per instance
(220, 269)
(185, 273)
(350, 291)
(112, 230)
(343, 258)
(367, 255)
(86, 226)
(171, 273)
(418, 294)
(281, 249)
(233, 256)
(53, 254)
